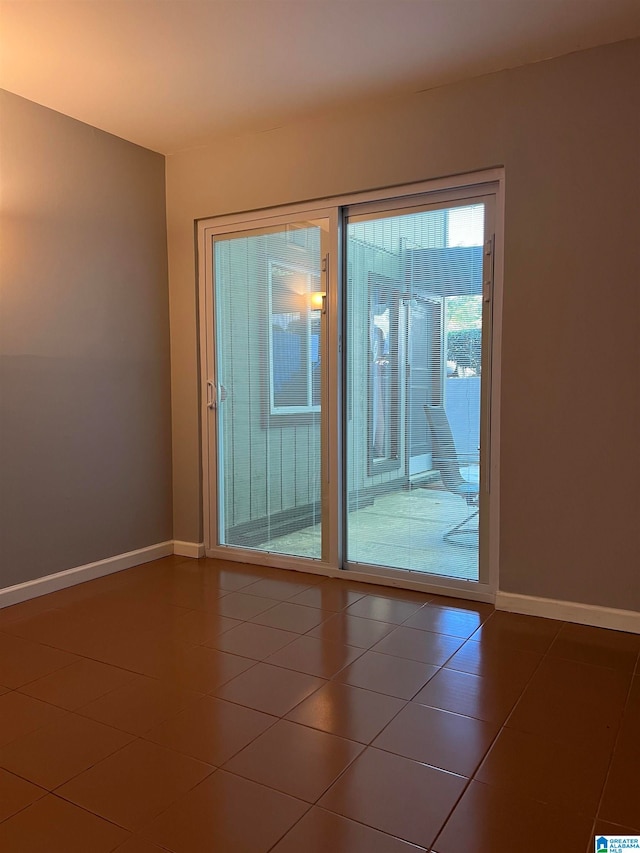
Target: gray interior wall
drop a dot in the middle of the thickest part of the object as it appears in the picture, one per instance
(567, 132)
(85, 441)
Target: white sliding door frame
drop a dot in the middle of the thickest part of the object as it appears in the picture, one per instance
(211, 423)
(440, 191)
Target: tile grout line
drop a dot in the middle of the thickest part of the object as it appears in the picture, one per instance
(617, 738)
(408, 702)
(472, 778)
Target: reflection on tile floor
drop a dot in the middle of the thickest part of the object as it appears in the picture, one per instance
(401, 530)
(192, 706)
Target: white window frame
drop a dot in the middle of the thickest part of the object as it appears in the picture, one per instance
(309, 276)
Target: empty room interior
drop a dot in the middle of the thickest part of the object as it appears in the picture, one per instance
(319, 426)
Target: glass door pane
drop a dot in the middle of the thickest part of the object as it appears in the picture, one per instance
(414, 377)
(270, 342)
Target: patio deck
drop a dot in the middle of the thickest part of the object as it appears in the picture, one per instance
(401, 530)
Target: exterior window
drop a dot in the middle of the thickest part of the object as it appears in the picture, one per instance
(294, 340)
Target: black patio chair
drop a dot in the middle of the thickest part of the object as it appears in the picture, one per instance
(446, 460)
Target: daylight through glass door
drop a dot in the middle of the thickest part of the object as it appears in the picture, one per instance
(269, 387)
(414, 389)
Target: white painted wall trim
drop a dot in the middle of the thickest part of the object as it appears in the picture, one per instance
(570, 611)
(80, 574)
(188, 549)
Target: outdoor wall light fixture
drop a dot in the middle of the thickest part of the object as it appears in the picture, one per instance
(316, 300)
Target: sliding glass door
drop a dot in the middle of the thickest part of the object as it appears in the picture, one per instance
(269, 387)
(415, 382)
(346, 386)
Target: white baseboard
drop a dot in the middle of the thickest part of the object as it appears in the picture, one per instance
(79, 574)
(188, 549)
(570, 611)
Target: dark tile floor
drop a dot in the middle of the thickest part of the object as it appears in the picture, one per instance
(195, 706)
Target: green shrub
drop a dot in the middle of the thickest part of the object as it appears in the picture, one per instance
(464, 347)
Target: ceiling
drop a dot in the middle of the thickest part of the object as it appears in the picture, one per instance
(175, 74)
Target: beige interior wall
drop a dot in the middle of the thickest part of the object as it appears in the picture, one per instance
(85, 424)
(567, 132)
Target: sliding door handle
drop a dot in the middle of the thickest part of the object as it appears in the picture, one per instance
(212, 397)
